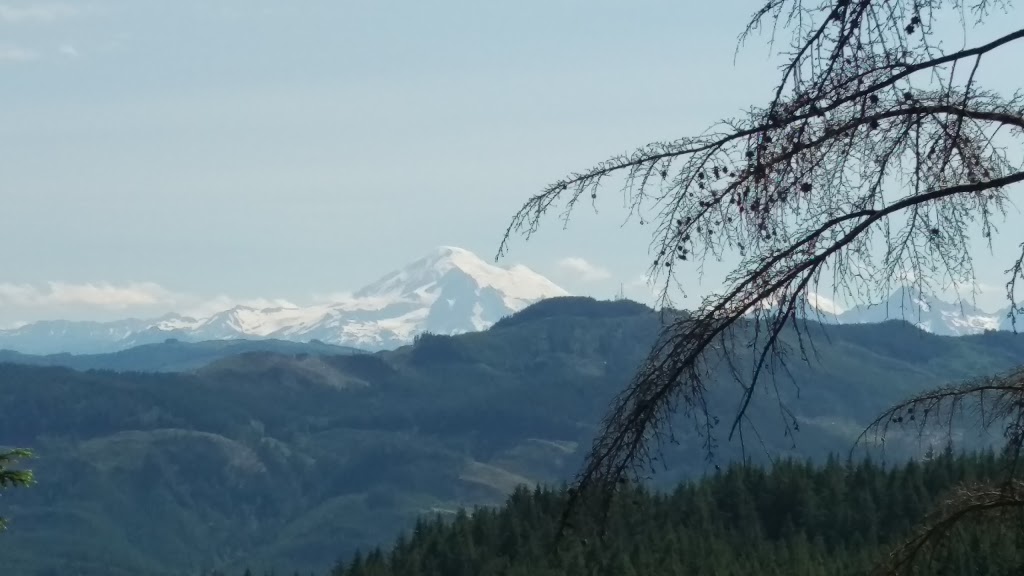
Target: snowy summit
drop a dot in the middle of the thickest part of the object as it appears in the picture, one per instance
(926, 311)
(449, 291)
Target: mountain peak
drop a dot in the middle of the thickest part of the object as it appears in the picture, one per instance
(444, 258)
(519, 285)
(447, 291)
(452, 251)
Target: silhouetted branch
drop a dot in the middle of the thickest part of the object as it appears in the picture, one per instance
(874, 161)
(973, 504)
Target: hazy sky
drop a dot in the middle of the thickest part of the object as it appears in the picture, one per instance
(165, 154)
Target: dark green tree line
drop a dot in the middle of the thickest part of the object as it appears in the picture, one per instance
(795, 519)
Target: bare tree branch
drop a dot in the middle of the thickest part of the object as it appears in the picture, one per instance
(873, 164)
(970, 504)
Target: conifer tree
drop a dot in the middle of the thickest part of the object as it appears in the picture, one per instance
(11, 477)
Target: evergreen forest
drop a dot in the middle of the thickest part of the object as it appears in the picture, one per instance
(795, 518)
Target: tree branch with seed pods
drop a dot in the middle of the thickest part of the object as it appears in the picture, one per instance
(877, 160)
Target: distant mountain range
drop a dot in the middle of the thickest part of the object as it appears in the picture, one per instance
(449, 291)
(173, 355)
(925, 311)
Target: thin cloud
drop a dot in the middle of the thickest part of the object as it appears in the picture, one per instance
(104, 295)
(583, 270)
(206, 308)
(641, 281)
(103, 299)
(14, 54)
(641, 289)
(36, 13)
(69, 50)
(333, 297)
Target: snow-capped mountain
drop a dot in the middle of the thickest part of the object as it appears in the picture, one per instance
(926, 311)
(449, 291)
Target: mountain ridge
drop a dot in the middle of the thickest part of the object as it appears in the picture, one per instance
(449, 291)
(926, 311)
(171, 355)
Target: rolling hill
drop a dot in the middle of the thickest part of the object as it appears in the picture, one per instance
(172, 355)
(292, 460)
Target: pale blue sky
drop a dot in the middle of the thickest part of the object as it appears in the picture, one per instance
(283, 149)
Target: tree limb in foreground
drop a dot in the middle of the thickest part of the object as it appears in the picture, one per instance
(970, 506)
(10, 478)
(876, 161)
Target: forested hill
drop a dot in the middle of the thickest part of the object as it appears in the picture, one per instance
(794, 519)
(172, 355)
(293, 460)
